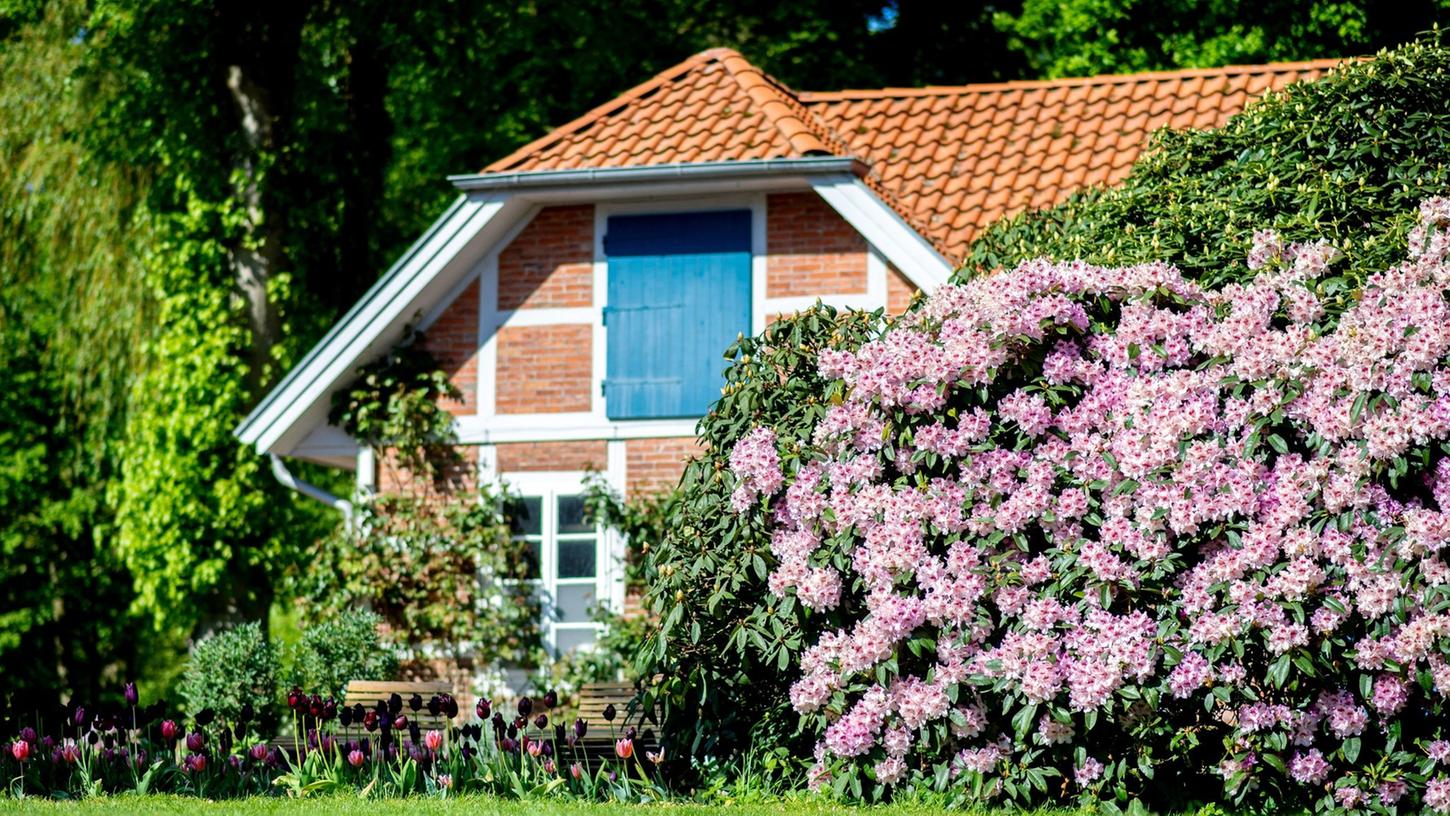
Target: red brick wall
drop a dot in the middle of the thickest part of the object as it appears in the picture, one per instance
(392, 478)
(655, 465)
(453, 341)
(811, 249)
(516, 457)
(898, 291)
(550, 263)
(544, 369)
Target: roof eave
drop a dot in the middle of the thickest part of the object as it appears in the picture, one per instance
(532, 179)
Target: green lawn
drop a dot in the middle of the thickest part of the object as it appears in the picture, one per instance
(115, 806)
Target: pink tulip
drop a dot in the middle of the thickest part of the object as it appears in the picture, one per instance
(576, 770)
(536, 747)
(624, 749)
(20, 749)
(434, 740)
(355, 758)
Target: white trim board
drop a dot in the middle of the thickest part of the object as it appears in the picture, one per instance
(884, 230)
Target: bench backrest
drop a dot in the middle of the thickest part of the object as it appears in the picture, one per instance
(369, 692)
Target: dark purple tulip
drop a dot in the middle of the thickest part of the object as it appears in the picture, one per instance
(370, 721)
(416, 702)
(548, 749)
(329, 709)
(169, 730)
(525, 706)
(234, 762)
(630, 734)
(224, 742)
(258, 752)
(435, 705)
(295, 698)
(581, 727)
(450, 706)
(395, 703)
(314, 705)
(400, 722)
(509, 745)
(195, 741)
(482, 708)
(358, 712)
(80, 715)
(551, 699)
(414, 732)
(247, 713)
(559, 732)
(27, 734)
(609, 713)
(140, 758)
(93, 738)
(325, 743)
(205, 717)
(131, 696)
(240, 732)
(541, 722)
(498, 723)
(344, 717)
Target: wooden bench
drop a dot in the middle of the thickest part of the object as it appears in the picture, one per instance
(369, 692)
(598, 742)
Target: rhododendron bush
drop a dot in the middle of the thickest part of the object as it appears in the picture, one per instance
(1081, 531)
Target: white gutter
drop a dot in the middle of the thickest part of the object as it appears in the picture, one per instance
(810, 165)
(312, 491)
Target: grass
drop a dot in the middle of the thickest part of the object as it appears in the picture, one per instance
(480, 806)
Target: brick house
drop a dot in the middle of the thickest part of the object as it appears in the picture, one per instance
(580, 291)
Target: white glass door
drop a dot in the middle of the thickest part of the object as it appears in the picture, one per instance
(568, 562)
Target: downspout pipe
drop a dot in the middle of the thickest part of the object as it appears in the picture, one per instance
(312, 491)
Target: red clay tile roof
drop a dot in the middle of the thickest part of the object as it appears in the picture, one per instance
(949, 160)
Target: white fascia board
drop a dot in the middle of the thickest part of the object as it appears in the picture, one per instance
(478, 430)
(884, 229)
(435, 263)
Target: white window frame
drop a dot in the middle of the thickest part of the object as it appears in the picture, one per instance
(550, 485)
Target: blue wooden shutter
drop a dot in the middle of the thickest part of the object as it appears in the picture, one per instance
(679, 293)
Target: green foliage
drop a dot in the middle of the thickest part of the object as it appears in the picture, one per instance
(394, 406)
(1347, 159)
(1086, 37)
(69, 316)
(228, 669)
(444, 573)
(726, 647)
(335, 651)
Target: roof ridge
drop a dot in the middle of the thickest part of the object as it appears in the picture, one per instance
(614, 104)
(810, 97)
(802, 131)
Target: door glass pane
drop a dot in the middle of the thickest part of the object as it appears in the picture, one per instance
(576, 558)
(573, 602)
(527, 516)
(567, 640)
(571, 515)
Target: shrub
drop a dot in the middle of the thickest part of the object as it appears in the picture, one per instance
(1345, 158)
(1106, 532)
(228, 669)
(444, 573)
(335, 651)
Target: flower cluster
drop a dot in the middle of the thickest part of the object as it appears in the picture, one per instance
(392, 747)
(1133, 512)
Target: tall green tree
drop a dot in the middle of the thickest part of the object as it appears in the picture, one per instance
(1084, 37)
